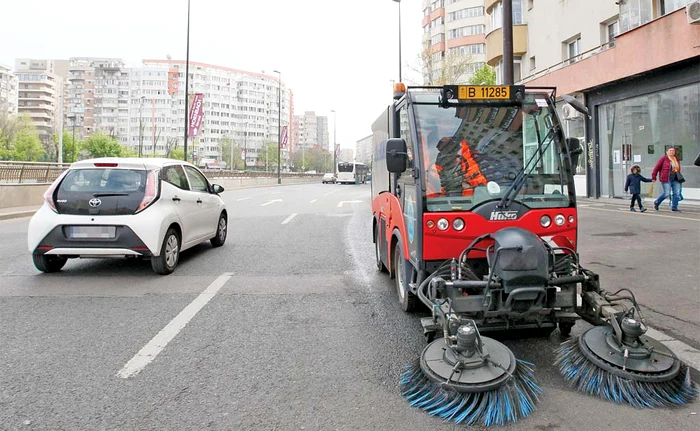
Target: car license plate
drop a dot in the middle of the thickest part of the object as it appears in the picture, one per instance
(478, 92)
(101, 232)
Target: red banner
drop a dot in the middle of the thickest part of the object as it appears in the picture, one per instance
(196, 114)
(283, 137)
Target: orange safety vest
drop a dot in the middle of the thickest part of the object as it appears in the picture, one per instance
(464, 162)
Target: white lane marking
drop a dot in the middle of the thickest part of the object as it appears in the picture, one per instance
(166, 335)
(243, 199)
(271, 202)
(340, 204)
(312, 201)
(331, 192)
(288, 219)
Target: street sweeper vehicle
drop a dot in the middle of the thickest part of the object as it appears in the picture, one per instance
(474, 216)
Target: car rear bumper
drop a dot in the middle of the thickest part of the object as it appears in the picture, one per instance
(124, 243)
(137, 233)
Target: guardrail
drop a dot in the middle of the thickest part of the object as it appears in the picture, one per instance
(38, 172)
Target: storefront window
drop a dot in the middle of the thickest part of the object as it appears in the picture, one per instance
(637, 131)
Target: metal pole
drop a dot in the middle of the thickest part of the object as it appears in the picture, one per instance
(399, 2)
(245, 148)
(335, 150)
(187, 78)
(141, 126)
(279, 124)
(59, 156)
(72, 157)
(508, 77)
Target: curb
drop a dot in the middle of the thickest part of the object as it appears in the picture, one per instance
(689, 355)
(17, 214)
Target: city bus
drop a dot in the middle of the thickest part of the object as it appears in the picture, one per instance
(352, 173)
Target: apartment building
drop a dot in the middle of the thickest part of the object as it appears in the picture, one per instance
(239, 105)
(310, 130)
(454, 35)
(363, 148)
(634, 63)
(39, 92)
(8, 90)
(92, 93)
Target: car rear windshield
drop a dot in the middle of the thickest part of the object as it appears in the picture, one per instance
(98, 181)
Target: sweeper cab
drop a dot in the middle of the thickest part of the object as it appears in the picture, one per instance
(474, 216)
(453, 166)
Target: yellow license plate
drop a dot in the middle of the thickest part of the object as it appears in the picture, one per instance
(483, 92)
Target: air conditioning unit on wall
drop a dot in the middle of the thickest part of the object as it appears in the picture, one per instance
(692, 12)
(569, 112)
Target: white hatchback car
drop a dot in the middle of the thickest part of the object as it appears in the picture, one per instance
(122, 207)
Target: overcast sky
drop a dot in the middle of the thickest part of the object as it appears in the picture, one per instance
(333, 54)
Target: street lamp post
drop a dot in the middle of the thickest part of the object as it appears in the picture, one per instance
(399, 2)
(141, 126)
(279, 123)
(187, 79)
(335, 150)
(245, 148)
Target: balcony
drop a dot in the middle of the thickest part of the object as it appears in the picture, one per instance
(642, 49)
(494, 43)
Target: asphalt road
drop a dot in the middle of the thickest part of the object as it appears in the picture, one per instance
(304, 335)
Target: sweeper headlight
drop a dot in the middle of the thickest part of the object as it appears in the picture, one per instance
(458, 224)
(559, 220)
(443, 224)
(545, 221)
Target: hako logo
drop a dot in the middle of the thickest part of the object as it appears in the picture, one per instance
(503, 215)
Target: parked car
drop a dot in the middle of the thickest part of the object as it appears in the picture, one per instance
(122, 207)
(328, 178)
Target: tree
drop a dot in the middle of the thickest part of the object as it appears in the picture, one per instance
(237, 162)
(170, 146)
(268, 157)
(441, 68)
(484, 76)
(101, 145)
(176, 153)
(19, 139)
(69, 148)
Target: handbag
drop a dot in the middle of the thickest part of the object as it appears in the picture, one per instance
(679, 177)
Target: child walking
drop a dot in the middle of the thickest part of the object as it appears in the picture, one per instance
(634, 185)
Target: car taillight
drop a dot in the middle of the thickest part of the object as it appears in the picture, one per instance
(152, 190)
(48, 195)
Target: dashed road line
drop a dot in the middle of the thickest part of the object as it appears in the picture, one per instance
(312, 201)
(332, 191)
(288, 219)
(340, 204)
(149, 352)
(243, 199)
(271, 202)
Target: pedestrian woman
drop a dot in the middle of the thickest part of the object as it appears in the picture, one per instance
(668, 170)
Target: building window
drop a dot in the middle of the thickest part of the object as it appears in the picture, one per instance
(668, 6)
(613, 30)
(574, 50)
(634, 13)
(497, 14)
(533, 64)
(470, 12)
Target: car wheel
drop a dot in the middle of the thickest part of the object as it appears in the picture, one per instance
(407, 300)
(377, 252)
(48, 263)
(221, 231)
(169, 254)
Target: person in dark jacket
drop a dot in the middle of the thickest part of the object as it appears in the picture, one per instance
(634, 184)
(666, 169)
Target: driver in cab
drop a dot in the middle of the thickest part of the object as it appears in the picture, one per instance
(453, 172)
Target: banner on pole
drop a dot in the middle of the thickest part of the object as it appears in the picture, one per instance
(283, 137)
(196, 114)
